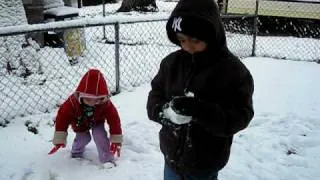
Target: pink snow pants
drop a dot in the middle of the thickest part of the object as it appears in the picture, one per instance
(101, 140)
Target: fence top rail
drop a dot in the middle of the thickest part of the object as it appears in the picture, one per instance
(77, 23)
(230, 16)
(86, 22)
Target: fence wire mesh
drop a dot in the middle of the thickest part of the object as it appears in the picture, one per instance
(285, 29)
(37, 78)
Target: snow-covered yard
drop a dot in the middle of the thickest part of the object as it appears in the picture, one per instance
(281, 142)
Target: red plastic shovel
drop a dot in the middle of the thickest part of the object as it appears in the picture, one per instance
(56, 148)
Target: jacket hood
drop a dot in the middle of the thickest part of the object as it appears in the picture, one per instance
(93, 85)
(201, 17)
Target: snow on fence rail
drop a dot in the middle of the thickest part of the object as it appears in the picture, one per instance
(76, 23)
(127, 50)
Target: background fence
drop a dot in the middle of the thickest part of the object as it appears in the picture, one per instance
(37, 79)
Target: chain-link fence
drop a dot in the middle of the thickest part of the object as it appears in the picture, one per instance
(38, 79)
(35, 79)
(285, 29)
(272, 18)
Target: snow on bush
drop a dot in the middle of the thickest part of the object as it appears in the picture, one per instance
(52, 3)
(16, 55)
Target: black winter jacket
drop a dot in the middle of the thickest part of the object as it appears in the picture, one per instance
(222, 84)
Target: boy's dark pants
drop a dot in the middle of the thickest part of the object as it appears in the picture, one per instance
(169, 174)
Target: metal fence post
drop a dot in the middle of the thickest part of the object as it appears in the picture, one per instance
(255, 29)
(225, 6)
(80, 3)
(117, 56)
(104, 15)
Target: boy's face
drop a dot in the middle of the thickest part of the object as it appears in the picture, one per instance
(190, 44)
(92, 101)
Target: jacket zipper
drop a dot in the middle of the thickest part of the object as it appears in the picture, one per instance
(185, 139)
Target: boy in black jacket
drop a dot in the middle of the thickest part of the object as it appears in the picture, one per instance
(202, 94)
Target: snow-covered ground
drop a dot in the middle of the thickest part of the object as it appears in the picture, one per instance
(281, 143)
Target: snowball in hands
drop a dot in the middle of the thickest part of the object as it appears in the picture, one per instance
(174, 117)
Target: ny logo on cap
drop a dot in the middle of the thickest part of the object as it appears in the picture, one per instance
(176, 24)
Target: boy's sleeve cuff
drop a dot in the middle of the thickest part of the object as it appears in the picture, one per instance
(116, 138)
(59, 137)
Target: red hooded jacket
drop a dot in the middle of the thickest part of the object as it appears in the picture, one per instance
(92, 85)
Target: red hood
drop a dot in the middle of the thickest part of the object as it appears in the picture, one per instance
(93, 84)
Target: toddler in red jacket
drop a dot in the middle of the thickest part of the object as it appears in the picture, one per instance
(87, 109)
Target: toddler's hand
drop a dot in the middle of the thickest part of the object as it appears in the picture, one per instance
(115, 148)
